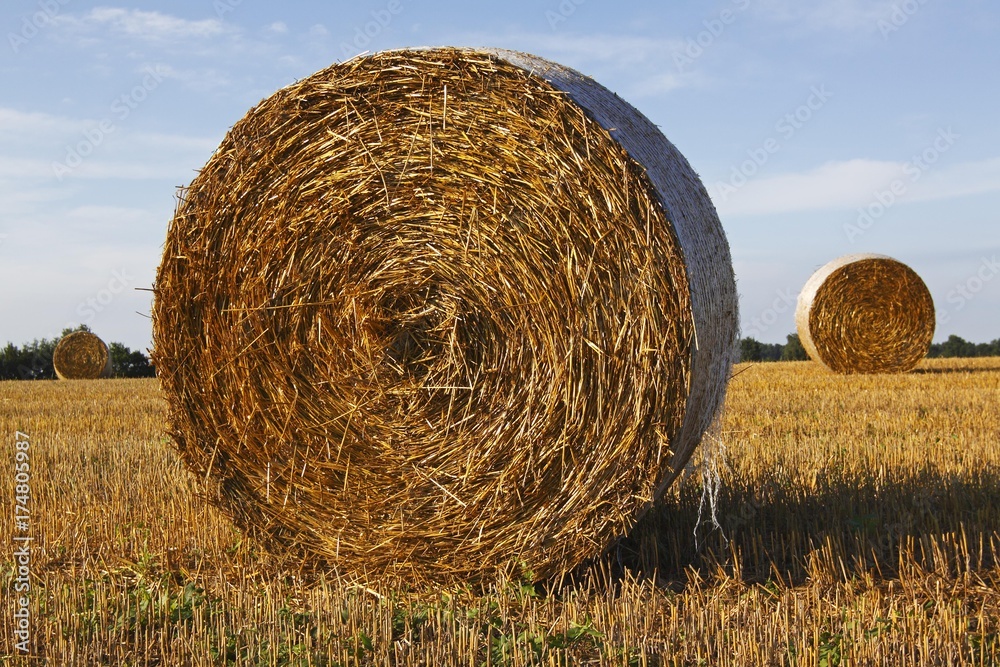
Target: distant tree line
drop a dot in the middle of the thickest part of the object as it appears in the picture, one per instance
(956, 346)
(753, 350)
(33, 361)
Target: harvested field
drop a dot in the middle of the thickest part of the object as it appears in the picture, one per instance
(862, 515)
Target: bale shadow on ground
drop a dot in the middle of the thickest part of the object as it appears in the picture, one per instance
(943, 371)
(842, 529)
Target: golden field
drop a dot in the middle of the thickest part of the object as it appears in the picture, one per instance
(857, 522)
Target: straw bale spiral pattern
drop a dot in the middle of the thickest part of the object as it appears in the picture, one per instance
(81, 356)
(421, 315)
(865, 313)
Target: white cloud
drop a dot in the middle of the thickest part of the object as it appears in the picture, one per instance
(20, 169)
(577, 50)
(645, 63)
(151, 25)
(103, 216)
(172, 143)
(151, 168)
(32, 143)
(851, 15)
(967, 178)
(659, 84)
(831, 185)
(21, 176)
(855, 183)
(16, 124)
(204, 55)
(200, 79)
(319, 31)
(19, 200)
(115, 35)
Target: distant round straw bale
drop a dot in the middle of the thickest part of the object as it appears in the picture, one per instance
(81, 356)
(440, 313)
(865, 313)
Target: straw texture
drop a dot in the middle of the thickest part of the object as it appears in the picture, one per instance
(81, 356)
(426, 314)
(865, 313)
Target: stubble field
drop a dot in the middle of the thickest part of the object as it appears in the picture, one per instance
(843, 521)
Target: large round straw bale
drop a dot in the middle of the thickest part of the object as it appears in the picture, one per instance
(865, 313)
(436, 313)
(81, 356)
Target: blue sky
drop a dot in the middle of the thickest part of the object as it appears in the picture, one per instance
(819, 128)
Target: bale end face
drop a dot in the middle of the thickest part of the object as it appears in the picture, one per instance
(422, 315)
(81, 356)
(865, 313)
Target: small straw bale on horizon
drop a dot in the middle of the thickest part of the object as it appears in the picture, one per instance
(865, 313)
(81, 355)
